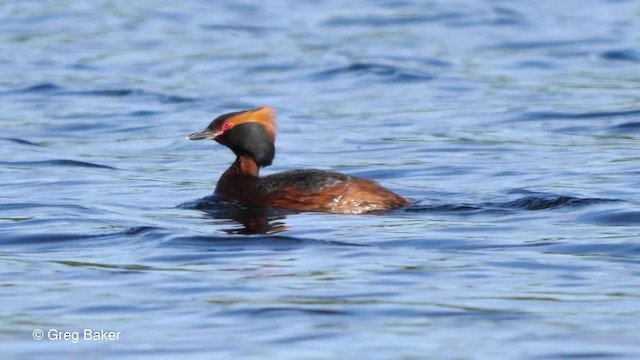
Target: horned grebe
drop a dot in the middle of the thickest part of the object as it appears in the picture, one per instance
(251, 135)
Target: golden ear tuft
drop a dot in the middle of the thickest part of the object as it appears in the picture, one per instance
(263, 115)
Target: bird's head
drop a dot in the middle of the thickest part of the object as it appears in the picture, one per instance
(247, 133)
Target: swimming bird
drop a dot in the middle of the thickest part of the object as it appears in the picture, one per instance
(251, 135)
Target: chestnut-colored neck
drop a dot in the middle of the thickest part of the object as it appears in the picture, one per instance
(235, 184)
(245, 165)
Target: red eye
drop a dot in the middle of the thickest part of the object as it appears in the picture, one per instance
(227, 126)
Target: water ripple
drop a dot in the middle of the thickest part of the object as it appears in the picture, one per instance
(551, 202)
(382, 21)
(531, 203)
(22, 142)
(621, 55)
(54, 89)
(447, 208)
(270, 242)
(630, 250)
(162, 98)
(250, 29)
(130, 267)
(40, 239)
(553, 115)
(107, 92)
(576, 355)
(286, 311)
(43, 87)
(627, 127)
(57, 162)
(525, 45)
(32, 205)
(389, 73)
(612, 217)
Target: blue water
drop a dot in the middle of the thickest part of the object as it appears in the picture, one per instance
(514, 127)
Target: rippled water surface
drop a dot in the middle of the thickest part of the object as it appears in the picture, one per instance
(513, 126)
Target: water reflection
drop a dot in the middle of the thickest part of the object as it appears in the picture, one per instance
(250, 221)
(242, 220)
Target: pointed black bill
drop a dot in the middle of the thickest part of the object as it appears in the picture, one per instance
(199, 135)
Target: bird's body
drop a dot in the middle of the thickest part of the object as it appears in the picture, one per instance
(251, 135)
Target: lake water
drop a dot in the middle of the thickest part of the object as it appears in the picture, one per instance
(513, 126)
